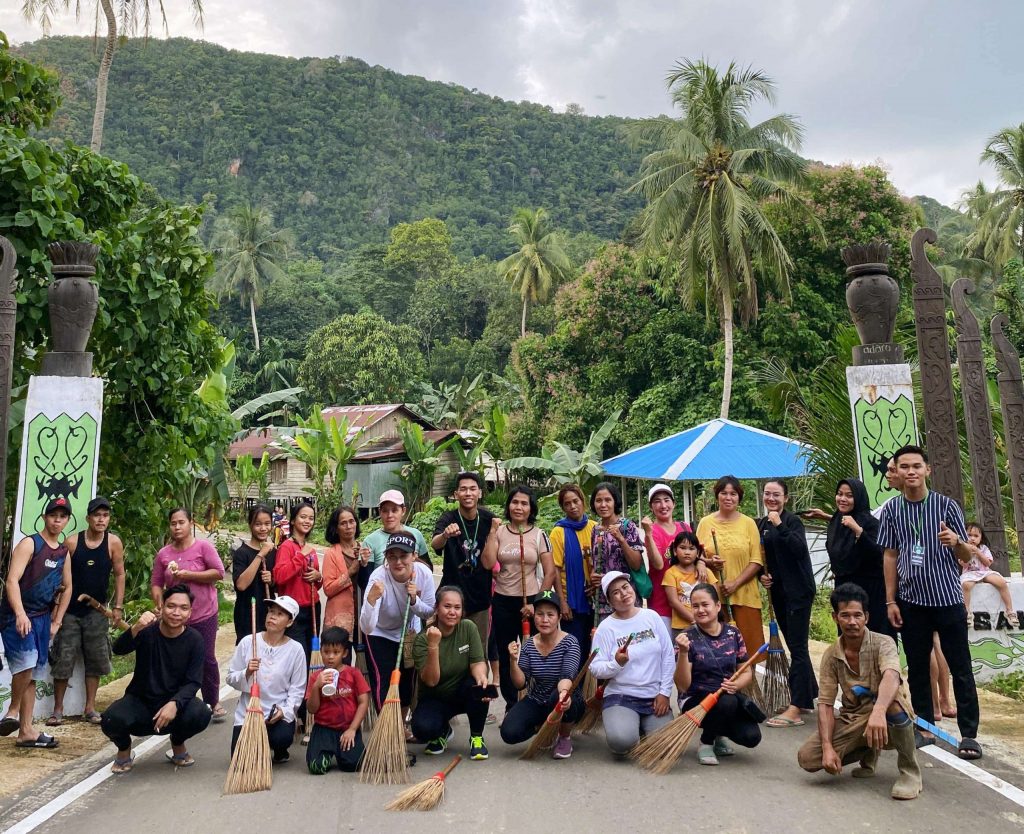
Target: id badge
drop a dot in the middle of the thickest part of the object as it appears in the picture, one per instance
(917, 555)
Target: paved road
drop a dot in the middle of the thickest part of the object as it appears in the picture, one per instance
(757, 791)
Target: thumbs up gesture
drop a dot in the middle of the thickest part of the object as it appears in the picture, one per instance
(946, 536)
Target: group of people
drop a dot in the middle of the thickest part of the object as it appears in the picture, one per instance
(650, 606)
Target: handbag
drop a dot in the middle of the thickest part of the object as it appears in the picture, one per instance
(750, 707)
(641, 579)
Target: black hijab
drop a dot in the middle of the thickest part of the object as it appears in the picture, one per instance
(841, 544)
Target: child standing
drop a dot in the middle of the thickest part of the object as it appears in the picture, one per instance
(338, 712)
(979, 570)
(681, 578)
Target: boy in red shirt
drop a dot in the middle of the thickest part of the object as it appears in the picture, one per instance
(338, 716)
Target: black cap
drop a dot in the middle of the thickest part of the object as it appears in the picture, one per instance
(97, 503)
(401, 541)
(58, 503)
(549, 597)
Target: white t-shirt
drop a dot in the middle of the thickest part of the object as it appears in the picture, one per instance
(282, 676)
(877, 512)
(651, 664)
(384, 618)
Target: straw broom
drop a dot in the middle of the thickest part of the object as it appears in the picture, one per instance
(776, 670)
(385, 759)
(659, 751)
(726, 608)
(426, 795)
(316, 661)
(545, 736)
(595, 705)
(251, 769)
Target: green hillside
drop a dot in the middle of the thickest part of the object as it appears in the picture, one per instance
(343, 151)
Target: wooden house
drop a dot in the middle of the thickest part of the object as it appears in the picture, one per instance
(371, 471)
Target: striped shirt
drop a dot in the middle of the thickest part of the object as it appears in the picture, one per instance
(907, 525)
(544, 673)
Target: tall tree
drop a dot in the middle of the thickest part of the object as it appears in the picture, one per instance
(706, 183)
(540, 262)
(135, 16)
(251, 254)
(1000, 212)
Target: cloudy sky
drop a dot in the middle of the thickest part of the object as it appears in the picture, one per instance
(917, 84)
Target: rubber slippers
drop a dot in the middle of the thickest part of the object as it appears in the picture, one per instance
(55, 719)
(184, 760)
(123, 765)
(8, 726)
(42, 742)
(93, 717)
(969, 749)
(779, 721)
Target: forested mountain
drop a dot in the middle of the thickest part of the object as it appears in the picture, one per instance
(341, 150)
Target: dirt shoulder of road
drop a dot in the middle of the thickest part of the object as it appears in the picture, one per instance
(78, 739)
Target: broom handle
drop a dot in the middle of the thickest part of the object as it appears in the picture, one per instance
(753, 659)
(266, 585)
(106, 612)
(397, 673)
(522, 584)
(583, 671)
(254, 689)
(443, 774)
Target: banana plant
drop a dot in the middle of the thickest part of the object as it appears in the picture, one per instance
(568, 466)
(246, 474)
(425, 462)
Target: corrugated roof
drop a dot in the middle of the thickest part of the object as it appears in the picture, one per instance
(363, 416)
(254, 444)
(710, 450)
(388, 447)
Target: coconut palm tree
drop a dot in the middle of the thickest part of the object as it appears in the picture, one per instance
(540, 262)
(250, 254)
(135, 16)
(1000, 212)
(706, 180)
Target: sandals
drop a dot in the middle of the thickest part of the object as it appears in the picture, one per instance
(779, 721)
(92, 717)
(41, 742)
(123, 765)
(219, 714)
(184, 760)
(55, 719)
(1012, 619)
(8, 726)
(969, 749)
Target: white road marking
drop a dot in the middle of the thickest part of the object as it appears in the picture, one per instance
(1011, 792)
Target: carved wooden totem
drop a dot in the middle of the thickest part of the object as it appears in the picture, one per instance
(940, 426)
(1011, 401)
(8, 311)
(978, 417)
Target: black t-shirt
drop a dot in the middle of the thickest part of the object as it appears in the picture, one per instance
(462, 558)
(241, 558)
(166, 668)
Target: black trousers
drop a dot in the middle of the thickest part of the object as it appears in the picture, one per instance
(950, 622)
(507, 625)
(280, 733)
(727, 718)
(580, 627)
(324, 751)
(381, 657)
(301, 628)
(131, 716)
(523, 721)
(795, 623)
(432, 716)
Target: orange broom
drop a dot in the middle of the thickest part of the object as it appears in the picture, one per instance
(545, 736)
(595, 704)
(250, 769)
(386, 757)
(426, 795)
(659, 751)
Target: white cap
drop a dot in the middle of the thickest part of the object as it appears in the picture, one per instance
(654, 490)
(392, 495)
(285, 603)
(609, 578)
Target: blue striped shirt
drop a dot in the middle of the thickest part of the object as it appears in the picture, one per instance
(544, 672)
(904, 525)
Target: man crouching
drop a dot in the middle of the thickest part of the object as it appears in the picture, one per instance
(874, 713)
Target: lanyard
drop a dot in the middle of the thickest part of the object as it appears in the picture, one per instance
(920, 516)
(470, 542)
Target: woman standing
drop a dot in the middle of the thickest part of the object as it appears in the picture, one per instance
(452, 667)
(297, 574)
(545, 667)
(518, 547)
(638, 676)
(740, 556)
(342, 562)
(402, 583)
(853, 551)
(709, 653)
(658, 535)
(251, 566)
(194, 562)
(570, 554)
(789, 579)
(617, 545)
(280, 669)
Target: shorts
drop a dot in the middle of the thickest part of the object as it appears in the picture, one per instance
(88, 632)
(31, 651)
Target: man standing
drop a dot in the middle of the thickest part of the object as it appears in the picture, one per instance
(39, 567)
(924, 537)
(161, 697)
(392, 513)
(461, 534)
(93, 555)
(865, 667)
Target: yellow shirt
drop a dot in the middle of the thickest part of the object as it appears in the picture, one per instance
(557, 538)
(683, 581)
(741, 544)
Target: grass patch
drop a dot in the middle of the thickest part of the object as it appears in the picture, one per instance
(823, 628)
(1009, 684)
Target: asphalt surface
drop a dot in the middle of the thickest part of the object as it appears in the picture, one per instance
(756, 791)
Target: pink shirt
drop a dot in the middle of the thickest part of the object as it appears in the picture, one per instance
(658, 601)
(199, 557)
